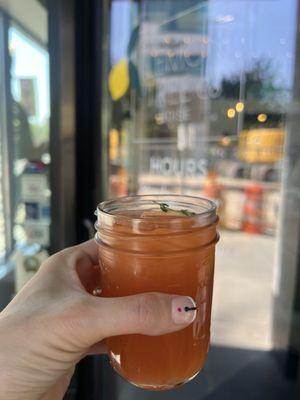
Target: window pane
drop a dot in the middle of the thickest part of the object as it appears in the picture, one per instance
(197, 101)
(31, 111)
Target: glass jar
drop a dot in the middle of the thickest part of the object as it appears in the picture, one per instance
(159, 243)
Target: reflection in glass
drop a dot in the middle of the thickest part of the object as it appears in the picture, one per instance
(199, 94)
(197, 102)
(31, 110)
(30, 92)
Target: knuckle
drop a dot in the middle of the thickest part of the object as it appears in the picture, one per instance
(148, 311)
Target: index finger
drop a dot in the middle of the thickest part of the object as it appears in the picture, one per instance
(87, 266)
(89, 249)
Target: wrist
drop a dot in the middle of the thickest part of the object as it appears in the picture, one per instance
(6, 383)
(10, 378)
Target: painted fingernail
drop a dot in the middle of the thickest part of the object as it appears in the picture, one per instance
(184, 310)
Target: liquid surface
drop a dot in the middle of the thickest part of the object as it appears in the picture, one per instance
(160, 262)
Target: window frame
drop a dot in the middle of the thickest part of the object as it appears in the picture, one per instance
(6, 142)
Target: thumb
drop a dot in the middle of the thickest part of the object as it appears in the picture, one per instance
(147, 313)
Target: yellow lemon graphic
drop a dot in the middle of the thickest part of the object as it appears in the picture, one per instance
(118, 80)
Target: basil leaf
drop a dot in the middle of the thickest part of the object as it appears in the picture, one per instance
(164, 207)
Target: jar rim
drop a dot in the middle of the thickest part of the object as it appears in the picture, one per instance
(200, 208)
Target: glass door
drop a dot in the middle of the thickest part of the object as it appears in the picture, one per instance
(31, 111)
(197, 100)
(25, 159)
(29, 84)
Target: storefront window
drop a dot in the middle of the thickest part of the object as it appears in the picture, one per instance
(198, 95)
(197, 102)
(24, 143)
(31, 110)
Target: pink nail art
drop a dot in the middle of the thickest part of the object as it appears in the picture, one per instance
(184, 310)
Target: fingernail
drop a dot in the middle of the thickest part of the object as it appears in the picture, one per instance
(184, 310)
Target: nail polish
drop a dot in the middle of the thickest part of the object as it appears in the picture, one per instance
(184, 310)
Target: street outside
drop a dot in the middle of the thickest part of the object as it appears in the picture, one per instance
(242, 301)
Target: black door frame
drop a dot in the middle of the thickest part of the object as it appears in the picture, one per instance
(62, 124)
(75, 39)
(89, 191)
(75, 141)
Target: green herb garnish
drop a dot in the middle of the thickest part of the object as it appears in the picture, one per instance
(165, 208)
(188, 213)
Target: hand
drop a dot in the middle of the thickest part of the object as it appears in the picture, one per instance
(54, 321)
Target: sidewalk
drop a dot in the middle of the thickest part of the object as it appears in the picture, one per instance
(242, 301)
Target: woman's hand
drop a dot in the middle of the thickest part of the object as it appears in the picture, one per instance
(55, 320)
